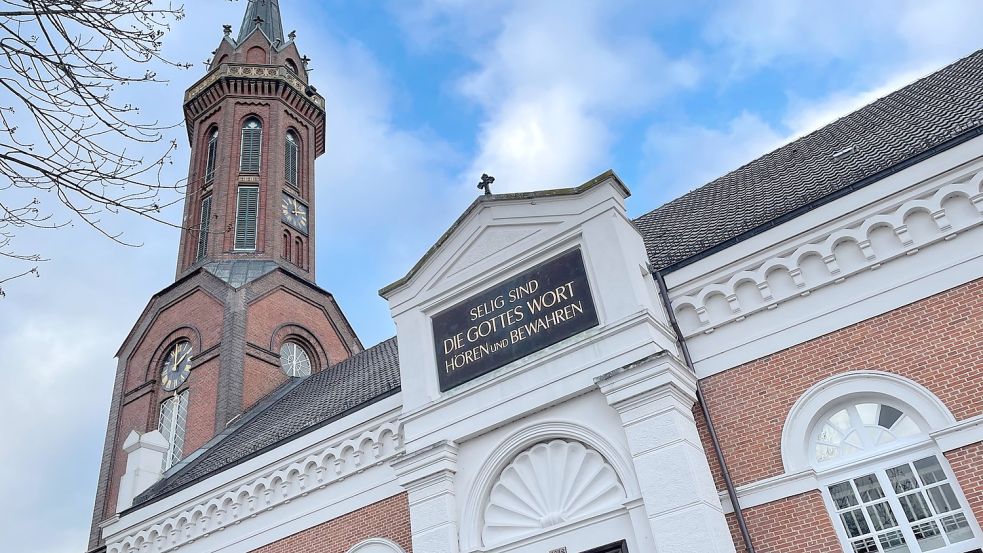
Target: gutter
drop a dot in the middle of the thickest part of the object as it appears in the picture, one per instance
(684, 349)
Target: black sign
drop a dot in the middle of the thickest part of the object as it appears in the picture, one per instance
(522, 315)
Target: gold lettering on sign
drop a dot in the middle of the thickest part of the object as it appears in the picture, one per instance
(517, 315)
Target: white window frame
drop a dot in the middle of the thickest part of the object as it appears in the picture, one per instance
(175, 426)
(877, 465)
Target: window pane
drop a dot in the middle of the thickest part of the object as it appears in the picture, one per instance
(855, 523)
(881, 516)
(868, 413)
(915, 507)
(888, 416)
(843, 495)
(902, 479)
(866, 545)
(928, 535)
(869, 488)
(247, 207)
(943, 498)
(957, 527)
(894, 542)
(929, 470)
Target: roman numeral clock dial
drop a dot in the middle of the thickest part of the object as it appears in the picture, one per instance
(176, 366)
(293, 213)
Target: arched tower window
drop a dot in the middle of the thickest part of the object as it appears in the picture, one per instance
(887, 485)
(252, 141)
(299, 252)
(286, 244)
(291, 65)
(211, 155)
(172, 421)
(292, 159)
(294, 359)
(205, 217)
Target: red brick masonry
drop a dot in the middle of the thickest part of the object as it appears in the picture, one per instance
(389, 519)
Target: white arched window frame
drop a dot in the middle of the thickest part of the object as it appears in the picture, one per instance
(892, 490)
(376, 545)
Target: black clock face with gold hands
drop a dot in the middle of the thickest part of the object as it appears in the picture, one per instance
(176, 366)
(293, 213)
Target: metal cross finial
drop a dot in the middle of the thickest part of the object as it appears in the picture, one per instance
(305, 60)
(258, 21)
(292, 35)
(486, 182)
(227, 29)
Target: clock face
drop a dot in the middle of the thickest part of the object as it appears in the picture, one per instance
(176, 366)
(294, 213)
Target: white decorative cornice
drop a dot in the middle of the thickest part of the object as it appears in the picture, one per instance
(307, 472)
(849, 248)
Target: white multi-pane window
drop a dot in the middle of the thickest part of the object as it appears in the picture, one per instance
(884, 502)
(173, 416)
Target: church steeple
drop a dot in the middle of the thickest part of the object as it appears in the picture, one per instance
(264, 14)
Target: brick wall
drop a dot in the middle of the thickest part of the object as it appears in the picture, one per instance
(967, 465)
(389, 519)
(792, 525)
(937, 342)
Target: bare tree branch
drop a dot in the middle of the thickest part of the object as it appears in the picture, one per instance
(61, 64)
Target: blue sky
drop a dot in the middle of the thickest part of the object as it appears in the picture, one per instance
(422, 98)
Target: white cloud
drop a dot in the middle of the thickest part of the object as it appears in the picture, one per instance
(681, 158)
(553, 81)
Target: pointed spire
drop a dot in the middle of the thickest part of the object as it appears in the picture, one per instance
(264, 14)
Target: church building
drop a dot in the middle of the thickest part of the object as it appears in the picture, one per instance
(788, 359)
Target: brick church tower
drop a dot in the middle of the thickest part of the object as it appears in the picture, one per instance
(244, 314)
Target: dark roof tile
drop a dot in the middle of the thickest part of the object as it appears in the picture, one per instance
(921, 116)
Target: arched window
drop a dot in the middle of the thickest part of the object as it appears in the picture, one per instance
(250, 151)
(888, 486)
(292, 66)
(859, 428)
(294, 359)
(286, 245)
(210, 156)
(173, 416)
(292, 159)
(205, 217)
(299, 252)
(376, 545)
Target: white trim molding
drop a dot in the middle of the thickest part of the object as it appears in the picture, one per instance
(376, 545)
(834, 254)
(921, 404)
(307, 472)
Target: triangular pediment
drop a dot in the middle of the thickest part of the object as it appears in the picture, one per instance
(499, 229)
(488, 241)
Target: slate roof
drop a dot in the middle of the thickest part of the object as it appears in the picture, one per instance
(930, 114)
(269, 12)
(296, 408)
(238, 272)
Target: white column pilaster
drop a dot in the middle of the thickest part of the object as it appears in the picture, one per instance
(428, 476)
(654, 398)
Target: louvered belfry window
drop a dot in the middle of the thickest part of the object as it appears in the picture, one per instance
(173, 416)
(252, 139)
(247, 206)
(206, 215)
(292, 159)
(210, 157)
